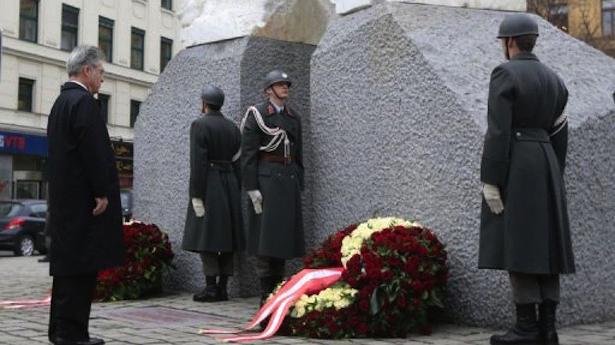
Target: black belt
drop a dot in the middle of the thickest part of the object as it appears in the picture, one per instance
(270, 157)
(531, 134)
(222, 165)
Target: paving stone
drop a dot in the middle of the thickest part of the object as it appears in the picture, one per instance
(29, 326)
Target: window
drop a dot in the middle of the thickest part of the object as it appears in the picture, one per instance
(558, 16)
(166, 51)
(608, 18)
(137, 45)
(167, 4)
(70, 27)
(105, 37)
(103, 101)
(28, 20)
(25, 94)
(38, 210)
(134, 112)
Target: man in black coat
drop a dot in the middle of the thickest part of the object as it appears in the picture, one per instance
(84, 199)
(214, 226)
(524, 218)
(272, 168)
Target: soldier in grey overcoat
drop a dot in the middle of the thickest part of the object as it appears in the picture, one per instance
(524, 218)
(272, 168)
(214, 226)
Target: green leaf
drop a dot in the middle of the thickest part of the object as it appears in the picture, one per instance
(375, 302)
(436, 300)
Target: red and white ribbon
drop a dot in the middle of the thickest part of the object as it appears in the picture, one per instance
(25, 303)
(307, 281)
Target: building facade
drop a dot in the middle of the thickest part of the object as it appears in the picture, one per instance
(138, 38)
(592, 21)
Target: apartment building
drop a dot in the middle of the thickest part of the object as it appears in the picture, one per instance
(138, 37)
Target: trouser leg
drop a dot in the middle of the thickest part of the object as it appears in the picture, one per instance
(71, 302)
(549, 287)
(211, 263)
(525, 288)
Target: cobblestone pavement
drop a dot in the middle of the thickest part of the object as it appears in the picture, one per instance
(175, 319)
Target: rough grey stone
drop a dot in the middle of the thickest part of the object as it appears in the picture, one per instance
(398, 109)
(162, 132)
(398, 115)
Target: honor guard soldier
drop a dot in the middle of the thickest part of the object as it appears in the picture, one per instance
(272, 168)
(524, 218)
(214, 222)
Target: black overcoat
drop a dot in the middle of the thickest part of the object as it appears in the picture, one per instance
(524, 155)
(278, 231)
(214, 178)
(82, 167)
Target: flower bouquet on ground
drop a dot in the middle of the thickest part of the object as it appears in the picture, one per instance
(148, 252)
(394, 272)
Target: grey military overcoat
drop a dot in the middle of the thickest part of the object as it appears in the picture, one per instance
(215, 179)
(278, 231)
(524, 155)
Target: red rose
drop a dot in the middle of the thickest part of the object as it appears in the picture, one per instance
(363, 305)
(362, 328)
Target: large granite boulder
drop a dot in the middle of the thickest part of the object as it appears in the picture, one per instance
(398, 115)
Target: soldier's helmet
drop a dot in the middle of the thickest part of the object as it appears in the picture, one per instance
(212, 95)
(276, 76)
(518, 24)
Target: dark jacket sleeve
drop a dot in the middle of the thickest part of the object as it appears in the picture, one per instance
(300, 154)
(495, 159)
(92, 144)
(198, 161)
(559, 132)
(250, 142)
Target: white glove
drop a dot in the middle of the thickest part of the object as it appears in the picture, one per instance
(199, 208)
(257, 200)
(493, 198)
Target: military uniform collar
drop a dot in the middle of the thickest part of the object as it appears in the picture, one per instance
(272, 109)
(213, 113)
(525, 56)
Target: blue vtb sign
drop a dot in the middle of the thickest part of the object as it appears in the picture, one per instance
(19, 143)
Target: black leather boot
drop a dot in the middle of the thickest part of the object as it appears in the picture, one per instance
(546, 321)
(211, 293)
(222, 283)
(525, 331)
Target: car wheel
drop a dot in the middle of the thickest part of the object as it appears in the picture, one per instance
(24, 246)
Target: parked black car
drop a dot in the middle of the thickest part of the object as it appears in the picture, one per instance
(22, 225)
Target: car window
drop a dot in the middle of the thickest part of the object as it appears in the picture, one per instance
(38, 210)
(10, 209)
(125, 200)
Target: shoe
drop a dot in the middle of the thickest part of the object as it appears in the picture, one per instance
(91, 341)
(44, 259)
(209, 294)
(525, 331)
(546, 322)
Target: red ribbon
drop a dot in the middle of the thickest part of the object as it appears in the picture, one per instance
(307, 281)
(25, 303)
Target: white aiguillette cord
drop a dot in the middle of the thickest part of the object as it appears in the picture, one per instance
(279, 135)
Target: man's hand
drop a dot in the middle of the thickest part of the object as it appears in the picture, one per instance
(199, 207)
(257, 200)
(493, 198)
(101, 206)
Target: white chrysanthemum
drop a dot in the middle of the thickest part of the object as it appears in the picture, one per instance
(338, 296)
(352, 243)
